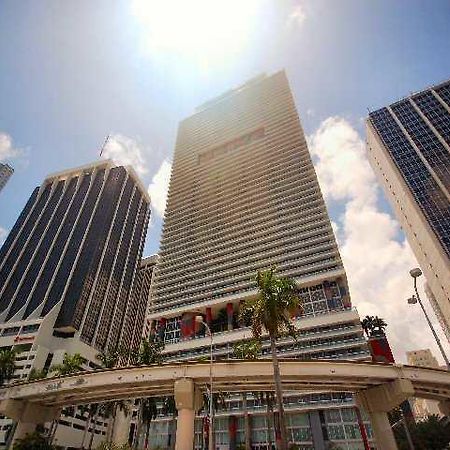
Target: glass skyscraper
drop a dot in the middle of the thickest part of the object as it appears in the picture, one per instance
(409, 149)
(74, 252)
(244, 196)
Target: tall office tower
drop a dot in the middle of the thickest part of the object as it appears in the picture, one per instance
(137, 328)
(423, 408)
(244, 196)
(68, 264)
(409, 148)
(75, 249)
(5, 173)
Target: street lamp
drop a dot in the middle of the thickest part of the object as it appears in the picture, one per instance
(416, 273)
(199, 320)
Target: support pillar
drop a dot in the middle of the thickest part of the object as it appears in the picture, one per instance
(27, 415)
(378, 401)
(316, 430)
(121, 427)
(187, 400)
(21, 430)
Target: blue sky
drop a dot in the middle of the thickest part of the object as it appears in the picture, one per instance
(73, 72)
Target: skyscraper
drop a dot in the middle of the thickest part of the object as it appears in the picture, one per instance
(5, 173)
(244, 196)
(409, 148)
(66, 273)
(74, 251)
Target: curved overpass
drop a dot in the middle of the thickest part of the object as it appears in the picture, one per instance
(233, 376)
(378, 388)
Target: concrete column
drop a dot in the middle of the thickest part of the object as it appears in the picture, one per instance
(27, 415)
(185, 429)
(378, 401)
(187, 400)
(22, 429)
(382, 430)
(121, 427)
(316, 431)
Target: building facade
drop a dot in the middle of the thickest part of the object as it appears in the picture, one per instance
(244, 196)
(67, 269)
(5, 173)
(409, 148)
(423, 408)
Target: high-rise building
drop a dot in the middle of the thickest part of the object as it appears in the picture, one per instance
(67, 269)
(423, 407)
(5, 173)
(409, 148)
(139, 329)
(244, 196)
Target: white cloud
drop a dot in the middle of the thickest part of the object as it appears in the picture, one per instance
(377, 263)
(159, 188)
(3, 234)
(126, 151)
(7, 149)
(297, 15)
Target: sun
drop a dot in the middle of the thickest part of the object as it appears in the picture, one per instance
(200, 29)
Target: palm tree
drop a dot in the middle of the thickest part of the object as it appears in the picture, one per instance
(7, 364)
(150, 352)
(36, 374)
(271, 311)
(71, 364)
(169, 408)
(149, 408)
(367, 325)
(269, 399)
(379, 325)
(247, 350)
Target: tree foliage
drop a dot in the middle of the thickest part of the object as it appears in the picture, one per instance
(429, 434)
(150, 352)
(247, 349)
(272, 308)
(33, 441)
(71, 364)
(7, 364)
(373, 326)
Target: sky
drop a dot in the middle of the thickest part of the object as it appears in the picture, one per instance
(72, 73)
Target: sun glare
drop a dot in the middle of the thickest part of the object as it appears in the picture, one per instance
(200, 29)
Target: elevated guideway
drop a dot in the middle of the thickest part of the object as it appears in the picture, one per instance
(378, 388)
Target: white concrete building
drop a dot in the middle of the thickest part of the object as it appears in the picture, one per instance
(423, 407)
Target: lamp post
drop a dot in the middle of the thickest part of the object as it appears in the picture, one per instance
(416, 273)
(199, 320)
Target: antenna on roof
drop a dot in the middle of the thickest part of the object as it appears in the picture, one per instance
(104, 144)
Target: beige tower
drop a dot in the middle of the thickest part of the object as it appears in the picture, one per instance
(409, 148)
(244, 196)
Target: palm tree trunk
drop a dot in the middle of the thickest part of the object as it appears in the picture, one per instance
(147, 434)
(269, 412)
(137, 433)
(279, 392)
(248, 444)
(91, 440)
(86, 427)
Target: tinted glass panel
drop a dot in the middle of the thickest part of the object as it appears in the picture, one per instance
(98, 299)
(42, 252)
(424, 188)
(68, 261)
(30, 247)
(16, 228)
(45, 279)
(89, 260)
